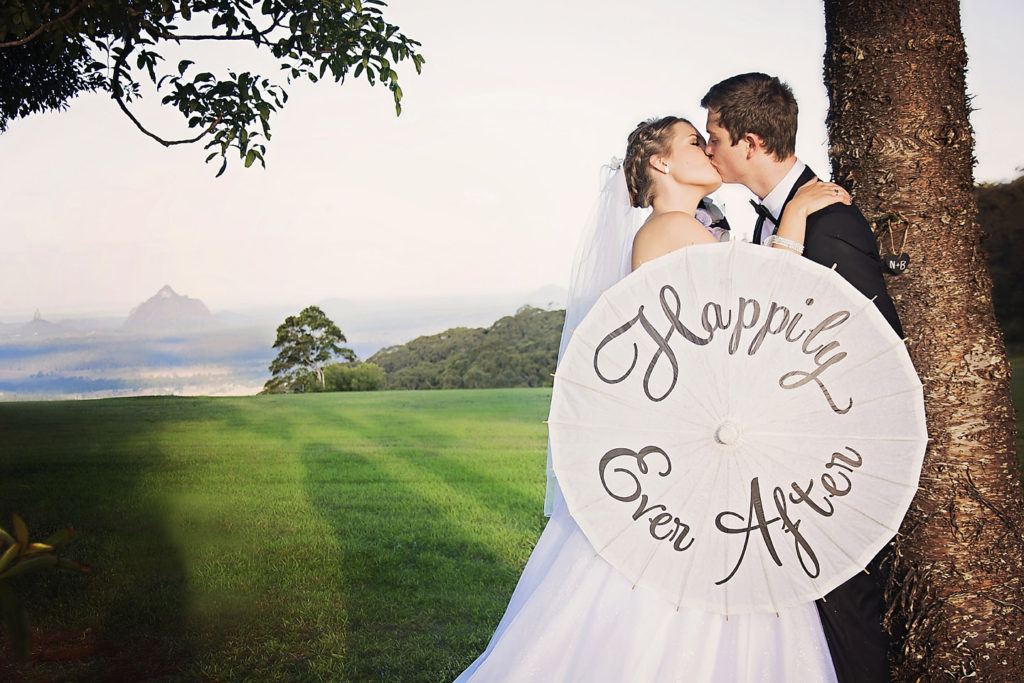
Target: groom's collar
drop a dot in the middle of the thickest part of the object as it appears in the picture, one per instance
(776, 200)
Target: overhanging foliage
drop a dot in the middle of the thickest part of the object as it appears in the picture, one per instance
(52, 51)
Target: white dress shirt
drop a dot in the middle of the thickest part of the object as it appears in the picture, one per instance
(775, 199)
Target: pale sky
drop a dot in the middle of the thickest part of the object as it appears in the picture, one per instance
(481, 186)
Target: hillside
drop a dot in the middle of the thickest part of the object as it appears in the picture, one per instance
(517, 351)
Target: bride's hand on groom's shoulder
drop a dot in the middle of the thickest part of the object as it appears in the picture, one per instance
(815, 195)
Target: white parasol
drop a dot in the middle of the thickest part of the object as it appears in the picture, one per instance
(737, 428)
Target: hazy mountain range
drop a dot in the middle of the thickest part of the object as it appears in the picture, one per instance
(173, 344)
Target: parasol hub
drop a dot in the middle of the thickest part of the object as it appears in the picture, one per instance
(727, 433)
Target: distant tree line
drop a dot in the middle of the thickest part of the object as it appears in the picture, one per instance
(307, 343)
(1001, 214)
(347, 376)
(521, 350)
(517, 351)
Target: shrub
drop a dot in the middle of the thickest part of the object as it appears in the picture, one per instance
(353, 377)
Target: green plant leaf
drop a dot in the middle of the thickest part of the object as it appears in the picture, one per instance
(61, 537)
(36, 548)
(20, 530)
(9, 555)
(29, 565)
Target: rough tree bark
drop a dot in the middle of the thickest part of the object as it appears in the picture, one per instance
(902, 143)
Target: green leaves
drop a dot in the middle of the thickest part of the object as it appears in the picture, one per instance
(9, 556)
(20, 531)
(28, 564)
(60, 538)
(317, 40)
(307, 342)
(17, 557)
(516, 351)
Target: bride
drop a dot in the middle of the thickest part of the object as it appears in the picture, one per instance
(573, 617)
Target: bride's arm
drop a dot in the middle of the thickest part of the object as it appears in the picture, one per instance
(812, 196)
(665, 233)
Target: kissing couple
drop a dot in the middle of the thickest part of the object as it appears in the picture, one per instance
(573, 617)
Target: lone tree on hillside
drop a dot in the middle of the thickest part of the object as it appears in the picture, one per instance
(902, 143)
(307, 343)
(52, 50)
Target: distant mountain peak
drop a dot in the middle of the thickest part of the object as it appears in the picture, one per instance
(168, 311)
(38, 327)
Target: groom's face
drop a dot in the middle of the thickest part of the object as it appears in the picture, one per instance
(728, 158)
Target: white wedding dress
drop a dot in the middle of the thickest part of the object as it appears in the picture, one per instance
(573, 617)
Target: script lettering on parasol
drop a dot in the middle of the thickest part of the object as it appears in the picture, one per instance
(676, 530)
(772, 320)
(757, 520)
(663, 525)
(736, 429)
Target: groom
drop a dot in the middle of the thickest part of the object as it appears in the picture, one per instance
(752, 140)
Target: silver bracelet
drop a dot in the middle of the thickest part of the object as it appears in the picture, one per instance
(784, 242)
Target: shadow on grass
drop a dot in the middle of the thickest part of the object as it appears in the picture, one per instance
(124, 620)
(287, 538)
(430, 561)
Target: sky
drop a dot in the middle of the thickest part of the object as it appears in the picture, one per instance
(480, 187)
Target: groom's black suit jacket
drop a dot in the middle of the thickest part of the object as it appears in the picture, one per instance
(851, 615)
(839, 235)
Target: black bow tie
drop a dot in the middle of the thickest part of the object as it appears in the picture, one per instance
(762, 214)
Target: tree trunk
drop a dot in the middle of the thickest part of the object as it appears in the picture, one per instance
(901, 142)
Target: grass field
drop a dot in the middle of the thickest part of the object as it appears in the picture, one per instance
(348, 537)
(372, 536)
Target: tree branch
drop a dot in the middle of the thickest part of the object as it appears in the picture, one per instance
(70, 13)
(116, 91)
(164, 33)
(242, 36)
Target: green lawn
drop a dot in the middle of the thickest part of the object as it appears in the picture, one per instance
(372, 536)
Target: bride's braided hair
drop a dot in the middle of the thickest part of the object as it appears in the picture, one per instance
(651, 137)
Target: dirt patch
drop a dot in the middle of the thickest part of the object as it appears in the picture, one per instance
(87, 655)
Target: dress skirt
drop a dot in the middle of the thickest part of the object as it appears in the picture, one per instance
(573, 617)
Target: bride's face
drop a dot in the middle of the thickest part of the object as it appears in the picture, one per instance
(687, 162)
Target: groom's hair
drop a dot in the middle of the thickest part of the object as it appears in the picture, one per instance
(756, 103)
